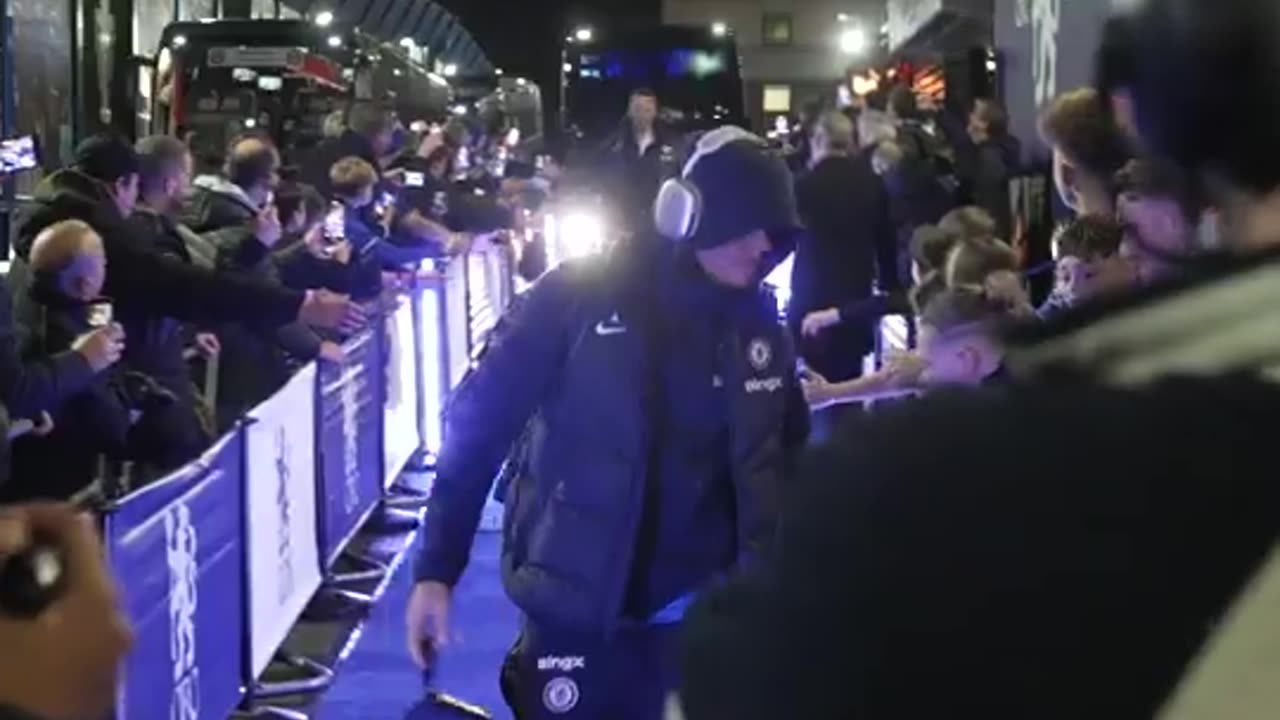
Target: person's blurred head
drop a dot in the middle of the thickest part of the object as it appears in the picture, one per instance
(68, 257)
(958, 340)
(874, 128)
(373, 124)
(1088, 149)
(253, 165)
(927, 287)
(832, 135)
(642, 109)
(335, 123)
(1182, 68)
(353, 181)
(299, 207)
(1088, 259)
(165, 167)
(987, 121)
(972, 261)
(902, 103)
(113, 163)
(1159, 212)
(886, 159)
(990, 265)
(930, 247)
(970, 222)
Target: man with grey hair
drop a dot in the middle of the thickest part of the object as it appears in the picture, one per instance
(850, 243)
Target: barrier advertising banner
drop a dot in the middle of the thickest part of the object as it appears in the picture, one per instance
(280, 497)
(175, 547)
(400, 426)
(350, 449)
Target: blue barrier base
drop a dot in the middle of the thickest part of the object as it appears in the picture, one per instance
(393, 520)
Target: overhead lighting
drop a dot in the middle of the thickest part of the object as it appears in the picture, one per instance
(521, 81)
(719, 29)
(324, 19)
(407, 43)
(568, 67)
(250, 122)
(450, 70)
(335, 41)
(459, 109)
(853, 41)
(397, 72)
(497, 71)
(842, 17)
(179, 40)
(584, 34)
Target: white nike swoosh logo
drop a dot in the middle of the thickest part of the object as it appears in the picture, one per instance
(604, 329)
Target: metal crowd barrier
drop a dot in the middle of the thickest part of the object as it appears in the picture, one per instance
(219, 560)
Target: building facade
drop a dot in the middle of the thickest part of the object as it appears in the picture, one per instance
(793, 52)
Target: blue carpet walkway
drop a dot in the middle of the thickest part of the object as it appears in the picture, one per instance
(379, 682)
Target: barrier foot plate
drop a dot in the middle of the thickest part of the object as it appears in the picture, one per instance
(275, 713)
(321, 678)
(333, 603)
(393, 520)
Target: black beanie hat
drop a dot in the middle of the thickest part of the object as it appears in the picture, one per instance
(106, 158)
(743, 188)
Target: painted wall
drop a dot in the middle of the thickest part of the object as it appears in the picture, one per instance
(1048, 48)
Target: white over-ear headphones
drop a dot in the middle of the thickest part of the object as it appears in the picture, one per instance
(678, 207)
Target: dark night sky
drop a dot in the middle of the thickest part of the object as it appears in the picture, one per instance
(523, 37)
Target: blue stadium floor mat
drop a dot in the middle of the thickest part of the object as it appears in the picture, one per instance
(378, 681)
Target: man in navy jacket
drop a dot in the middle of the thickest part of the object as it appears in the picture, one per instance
(657, 397)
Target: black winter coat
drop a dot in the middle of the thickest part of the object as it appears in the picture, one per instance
(574, 360)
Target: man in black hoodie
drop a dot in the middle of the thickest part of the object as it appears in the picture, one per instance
(662, 412)
(101, 188)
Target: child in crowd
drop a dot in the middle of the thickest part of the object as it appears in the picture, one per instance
(1089, 263)
(992, 266)
(958, 338)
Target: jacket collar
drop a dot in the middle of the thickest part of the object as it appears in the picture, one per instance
(221, 186)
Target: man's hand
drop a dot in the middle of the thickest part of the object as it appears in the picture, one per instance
(332, 352)
(427, 621)
(208, 345)
(63, 663)
(905, 370)
(327, 309)
(815, 322)
(266, 226)
(102, 348)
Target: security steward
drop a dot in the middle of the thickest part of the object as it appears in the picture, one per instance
(639, 157)
(658, 401)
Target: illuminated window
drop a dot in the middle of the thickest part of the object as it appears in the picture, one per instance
(777, 98)
(777, 29)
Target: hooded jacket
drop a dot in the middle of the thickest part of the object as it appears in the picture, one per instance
(139, 276)
(573, 369)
